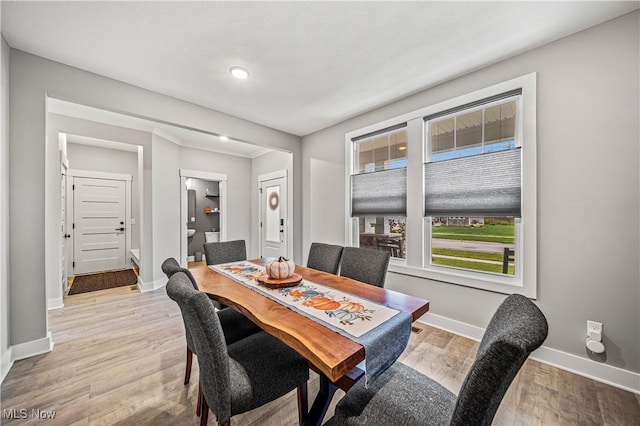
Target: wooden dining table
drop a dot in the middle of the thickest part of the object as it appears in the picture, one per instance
(332, 355)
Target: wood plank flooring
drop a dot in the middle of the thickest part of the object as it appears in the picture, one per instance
(119, 359)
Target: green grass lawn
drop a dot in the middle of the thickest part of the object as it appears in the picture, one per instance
(476, 266)
(489, 233)
(469, 264)
(496, 257)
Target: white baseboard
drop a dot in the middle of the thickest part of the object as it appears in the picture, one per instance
(150, 286)
(55, 303)
(7, 363)
(32, 348)
(614, 376)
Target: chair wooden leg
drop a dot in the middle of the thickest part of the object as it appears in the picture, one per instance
(303, 407)
(205, 412)
(187, 373)
(200, 398)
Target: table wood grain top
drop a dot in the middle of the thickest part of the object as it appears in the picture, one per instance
(328, 351)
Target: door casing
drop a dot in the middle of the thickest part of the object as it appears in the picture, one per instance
(72, 173)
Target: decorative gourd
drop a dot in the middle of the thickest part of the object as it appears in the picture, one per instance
(352, 307)
(280, 268)
(322, 303)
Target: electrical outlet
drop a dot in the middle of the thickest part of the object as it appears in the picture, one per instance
(593, 326)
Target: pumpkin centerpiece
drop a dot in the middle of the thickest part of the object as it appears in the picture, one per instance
(280, 268)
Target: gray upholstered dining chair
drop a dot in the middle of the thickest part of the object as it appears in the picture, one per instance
(234, 325)
(404, 396)
(365, 265)
(324, 257)
(225, 251)
(241, 376)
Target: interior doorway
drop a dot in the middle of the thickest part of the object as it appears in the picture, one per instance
(203, 212)
(100, 210)
(274, 216)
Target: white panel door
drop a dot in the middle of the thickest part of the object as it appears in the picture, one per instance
(99, 225)
(273, 221)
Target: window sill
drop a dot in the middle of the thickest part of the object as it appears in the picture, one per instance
(493, 283)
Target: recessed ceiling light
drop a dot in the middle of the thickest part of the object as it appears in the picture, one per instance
(239, 73)
(224, 138)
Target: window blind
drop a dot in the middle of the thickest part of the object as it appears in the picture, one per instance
(486, 184)
(379, 193)
(379, 132)
(474, 104)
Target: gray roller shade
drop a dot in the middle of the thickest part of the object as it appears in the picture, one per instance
(379, 193)
(485, 184)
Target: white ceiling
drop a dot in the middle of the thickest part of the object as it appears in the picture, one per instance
(313, 64)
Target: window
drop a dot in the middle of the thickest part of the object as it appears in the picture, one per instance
(460, 176)
(473, 186)
(378, 190)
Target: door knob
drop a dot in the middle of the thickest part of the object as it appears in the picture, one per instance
(119, 229)
(67, 236)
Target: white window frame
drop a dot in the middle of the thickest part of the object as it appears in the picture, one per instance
(418, 227)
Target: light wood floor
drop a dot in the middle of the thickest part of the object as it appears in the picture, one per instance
(119, 359)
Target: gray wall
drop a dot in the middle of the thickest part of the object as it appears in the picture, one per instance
(94, 158)
(263, 164)
(33, 78)
(588, 188)
(59, 123)
(165, 202)
(4, 213)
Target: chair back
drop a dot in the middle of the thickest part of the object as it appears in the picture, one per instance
(170, 266)
(516, 329)
(204, 325)
(224, 252)
(324, 257)
(366, 265)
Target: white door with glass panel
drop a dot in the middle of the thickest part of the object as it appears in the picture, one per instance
(98, 225)
(273, 217)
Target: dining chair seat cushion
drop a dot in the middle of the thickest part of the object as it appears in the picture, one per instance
(324, 257)
(261, 369)
(384, 401)
(236, 326)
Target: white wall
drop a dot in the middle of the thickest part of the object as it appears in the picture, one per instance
(588, 190)
(94, 158)
(238, 171)
(33, 78)
(263, 164)
(5, 355)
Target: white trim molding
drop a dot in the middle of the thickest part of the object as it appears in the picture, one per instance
(614, 376)
(99, 175)
(56, 303)
(153, 285)
(32, 348)
(7, 363)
